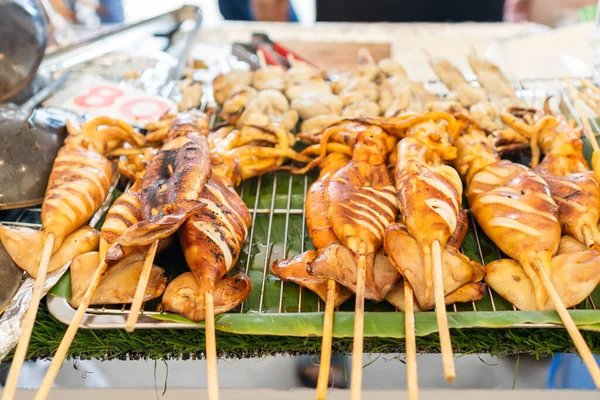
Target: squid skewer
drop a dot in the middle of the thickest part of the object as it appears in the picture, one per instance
(421, 163)
(296, 269)
(124, 212)
(79, 183)
(573, 186)
(353, 194)
(513, 206)
(171, 186)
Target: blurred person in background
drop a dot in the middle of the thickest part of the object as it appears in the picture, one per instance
(258, 10)
(547, 12)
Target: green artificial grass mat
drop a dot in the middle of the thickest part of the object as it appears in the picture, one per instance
(189, 343)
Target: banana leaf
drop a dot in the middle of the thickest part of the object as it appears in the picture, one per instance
(284, 309)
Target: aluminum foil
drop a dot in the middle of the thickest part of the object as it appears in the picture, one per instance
(11, 322)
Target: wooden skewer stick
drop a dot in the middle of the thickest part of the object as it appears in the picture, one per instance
(63, 348)
(590, 101)
(595, 90)
(211, 348)
(440, 313)
(21, 351)
(262, 61)
(323, 379)
(359, 316)
(587, 129)
(412, 380)
(580, 343)
(140, 292)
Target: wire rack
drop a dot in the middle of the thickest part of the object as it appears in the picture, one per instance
(278, 231)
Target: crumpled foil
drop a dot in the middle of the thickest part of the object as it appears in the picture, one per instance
(11, 322)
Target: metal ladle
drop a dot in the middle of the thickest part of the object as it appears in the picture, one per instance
(23, 40)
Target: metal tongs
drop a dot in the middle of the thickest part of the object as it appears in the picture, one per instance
(274, 53)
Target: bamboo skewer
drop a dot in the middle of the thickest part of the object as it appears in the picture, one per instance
(21, 351)
(323, 379)
(587, 129)
(359, 316)
(589, 133)
(440, 313)
(140, 292)
(261, 58)
(578, 340)
(63, 348)
(211, 348)
(412, 380)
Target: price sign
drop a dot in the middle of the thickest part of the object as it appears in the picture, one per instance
(99, 97)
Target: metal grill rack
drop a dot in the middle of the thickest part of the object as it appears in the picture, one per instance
(278, 231)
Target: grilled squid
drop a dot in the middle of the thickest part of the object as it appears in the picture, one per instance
(573, 185)
(430, 201)
(171, 185)
(514, 207)
(211, 240)
(360, 203)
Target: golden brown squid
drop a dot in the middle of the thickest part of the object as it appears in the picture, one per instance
(513, 206)
(211, 240)
(430, 195)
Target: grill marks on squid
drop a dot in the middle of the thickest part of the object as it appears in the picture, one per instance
(126, 211)
(517, 194)
(78, 185)
(439, 193)
(212, 238)
(177, 174)
(366, 207)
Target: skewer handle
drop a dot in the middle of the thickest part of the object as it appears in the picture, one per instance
(140, 291)
(323, 379)
(21, 351)
(357, 345)
(587, 129)
(63, 348)
(211, 348)
(440, 313)
(412, 380)
(580, 343)
(262, 61)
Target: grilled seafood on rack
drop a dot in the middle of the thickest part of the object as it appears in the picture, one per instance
(313, 105)
(25, 245)
(575, 274)
(430, 195)
(321, 233)
(269, 77)
(573, 185)
(269, 107)
(351, 202)
(119, 282)
(360, 202)
(514, 207)
(472, 98)
(491, 78)
(253, 150)
(79, 183)
(211, 240)
(227, 82)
